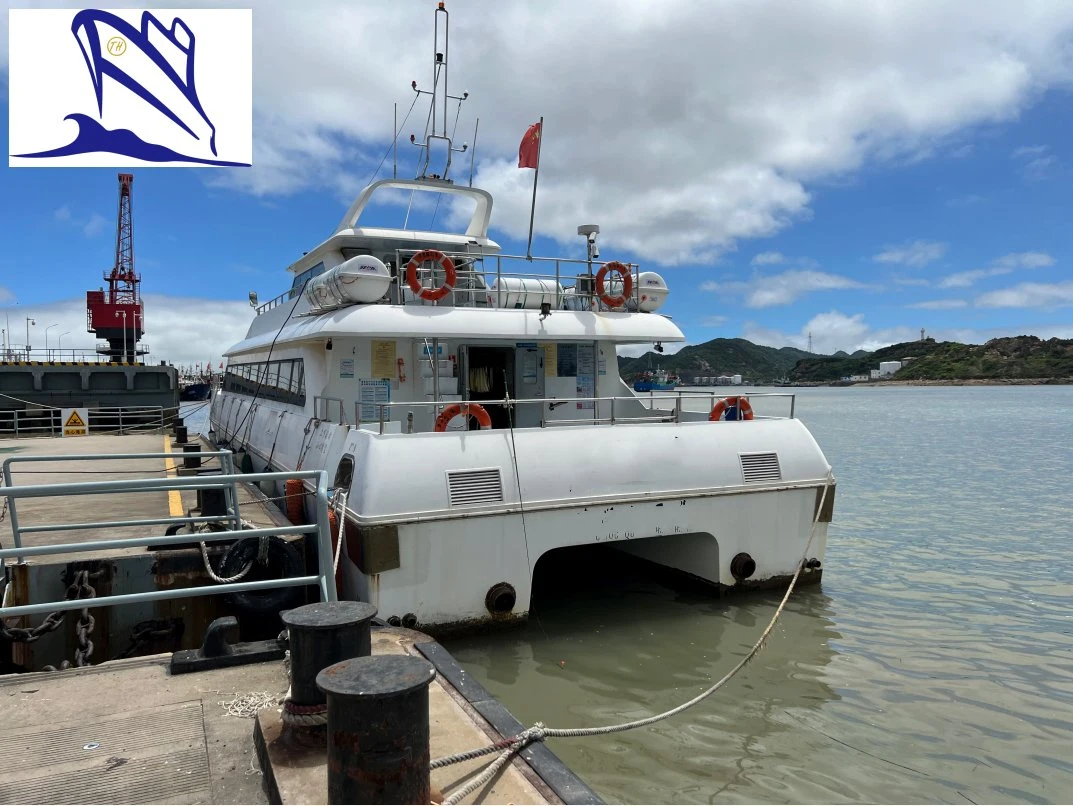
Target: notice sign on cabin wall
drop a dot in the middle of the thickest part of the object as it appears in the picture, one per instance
(550, 365)
(383, 359)
(586, 374)
(75, 422)
(372, 392)
(346, 368)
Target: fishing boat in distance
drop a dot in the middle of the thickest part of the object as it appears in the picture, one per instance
(658, 380)
(468, 406)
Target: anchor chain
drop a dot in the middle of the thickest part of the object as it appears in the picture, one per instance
(86, 622)
(156, 629)
(27, 635)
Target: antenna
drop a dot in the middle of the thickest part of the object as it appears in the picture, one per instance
(810, 341)
(439, 88)
(395, 144)
(922, 334)
(473, 153)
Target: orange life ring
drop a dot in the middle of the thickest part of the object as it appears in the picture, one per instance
(745, 410)
(448, 266)
(627, 284)
(452, 411)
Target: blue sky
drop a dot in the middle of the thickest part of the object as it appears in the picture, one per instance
(961, 226)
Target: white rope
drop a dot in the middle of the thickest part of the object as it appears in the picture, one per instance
(247, 706)
(339, 502)
(262, 556)
(538, 732)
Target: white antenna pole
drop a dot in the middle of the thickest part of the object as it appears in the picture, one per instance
(473, 153)
(395, 145)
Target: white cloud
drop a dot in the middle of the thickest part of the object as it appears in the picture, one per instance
(1006, 264)
(939, 304)
(180, 330)
(6, 294)
(1040, 168)
(834, 331)
(62, 213)
(1029, 295)
(706, 134)
(915, 254)
(1029, 151)
(782, 289)
(714, 321)
(900, 280)
(1025, 260)
(768, 259)
(95, 226)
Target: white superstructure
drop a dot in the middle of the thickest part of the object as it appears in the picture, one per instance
(358, 369)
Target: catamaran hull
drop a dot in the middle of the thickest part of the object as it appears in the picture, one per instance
(447, 530)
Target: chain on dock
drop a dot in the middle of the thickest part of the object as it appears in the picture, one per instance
(509, 747)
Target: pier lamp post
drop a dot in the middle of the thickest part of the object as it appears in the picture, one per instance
(47, 329)
(60, 340)
(29, 322)
(124, 315)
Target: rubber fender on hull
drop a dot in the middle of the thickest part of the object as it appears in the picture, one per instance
(283, 561)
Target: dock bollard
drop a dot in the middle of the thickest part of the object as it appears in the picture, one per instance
(321, 634)
(180, 434)
(378, 730)
(191, 461)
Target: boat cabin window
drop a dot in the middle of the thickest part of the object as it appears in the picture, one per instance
(283, 381)
(300, 279)
(344, 474)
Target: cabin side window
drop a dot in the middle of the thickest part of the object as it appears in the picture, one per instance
(283, 381)
(300, 279)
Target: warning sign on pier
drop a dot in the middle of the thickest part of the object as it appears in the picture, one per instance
(75, 422)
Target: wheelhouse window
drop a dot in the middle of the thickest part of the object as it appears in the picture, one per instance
(283, 381)
(300, 279)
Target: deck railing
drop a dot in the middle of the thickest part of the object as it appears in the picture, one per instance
(47, 421)
(676, 412)
(570, 282)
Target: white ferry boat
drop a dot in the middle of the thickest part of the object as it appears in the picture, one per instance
(469, 405)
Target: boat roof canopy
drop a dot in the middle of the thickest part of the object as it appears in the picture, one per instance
(476, 324)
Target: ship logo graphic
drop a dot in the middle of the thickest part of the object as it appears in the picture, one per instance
(144, 101)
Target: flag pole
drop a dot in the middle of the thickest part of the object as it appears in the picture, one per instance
(536, 176)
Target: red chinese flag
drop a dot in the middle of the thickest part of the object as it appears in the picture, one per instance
(529, 150)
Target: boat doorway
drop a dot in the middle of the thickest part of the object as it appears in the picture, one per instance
(488, 374)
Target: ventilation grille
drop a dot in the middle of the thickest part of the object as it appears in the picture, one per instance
(760, 467)
(474, 487)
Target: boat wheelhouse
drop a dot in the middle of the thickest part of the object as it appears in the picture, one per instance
(469, 406)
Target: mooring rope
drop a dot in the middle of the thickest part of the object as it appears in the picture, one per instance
(538, 732)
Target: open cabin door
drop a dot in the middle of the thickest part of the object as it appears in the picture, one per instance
(529, 383)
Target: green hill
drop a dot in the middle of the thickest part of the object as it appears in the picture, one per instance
(999, 359)
(754, 362)
(1011, 358)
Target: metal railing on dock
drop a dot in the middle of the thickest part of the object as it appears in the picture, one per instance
(47, 421)
(226, 482)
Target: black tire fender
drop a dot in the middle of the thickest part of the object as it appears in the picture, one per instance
(284, 560)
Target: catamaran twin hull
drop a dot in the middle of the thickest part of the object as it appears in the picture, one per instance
(445, 530)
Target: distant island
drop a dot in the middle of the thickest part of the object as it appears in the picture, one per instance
(1015, 359)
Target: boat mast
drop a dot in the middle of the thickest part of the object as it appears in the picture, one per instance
(439, 95)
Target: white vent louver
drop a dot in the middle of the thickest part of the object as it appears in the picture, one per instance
(474, 487)
(760, 467)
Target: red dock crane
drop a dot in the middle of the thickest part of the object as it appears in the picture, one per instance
(116, 315)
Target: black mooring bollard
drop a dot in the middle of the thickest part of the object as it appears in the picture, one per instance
(180, 434)
(191, 461)
(378, 729)
(322, 634)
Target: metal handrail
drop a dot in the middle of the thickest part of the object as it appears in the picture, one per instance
(138, 418)
(324, 579)
(674, 415)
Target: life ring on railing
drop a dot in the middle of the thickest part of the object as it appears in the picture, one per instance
(468, 409)
(740, 405)
(448, 266)
(627, 284)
